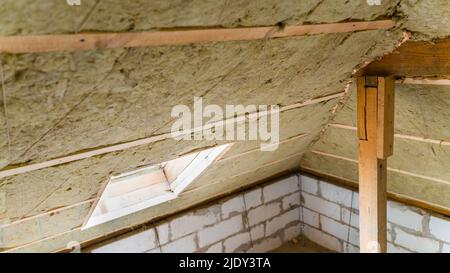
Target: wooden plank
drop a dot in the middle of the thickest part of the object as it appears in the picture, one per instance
(371, 81)
(90, 41)
(403, 136)
(424, 81)
(385, 125)
(372, 169)
(257, 149)
(361, 108)
(413, 59)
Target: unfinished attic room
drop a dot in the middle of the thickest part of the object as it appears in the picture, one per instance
(225, 126)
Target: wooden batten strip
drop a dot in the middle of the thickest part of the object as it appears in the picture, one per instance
(424, 81)
(415, 138)
(389, 169)
(312, 101)
(152, 139)
(90, 41)
(258, 149)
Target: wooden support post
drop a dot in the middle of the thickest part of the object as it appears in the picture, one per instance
(375, 104)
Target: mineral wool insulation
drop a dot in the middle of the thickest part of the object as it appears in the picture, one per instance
(95, 98)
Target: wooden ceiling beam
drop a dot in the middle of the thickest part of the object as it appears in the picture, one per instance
(413, 59)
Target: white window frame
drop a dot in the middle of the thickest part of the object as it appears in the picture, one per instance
(193, 170)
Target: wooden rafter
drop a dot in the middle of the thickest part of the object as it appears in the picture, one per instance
(414, 59)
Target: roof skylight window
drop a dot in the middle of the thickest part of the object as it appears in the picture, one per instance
(140, 189)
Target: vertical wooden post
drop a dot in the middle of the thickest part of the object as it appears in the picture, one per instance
(375, 107)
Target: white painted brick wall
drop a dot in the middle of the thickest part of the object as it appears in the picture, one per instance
(280, 222)
(349, 248)
(343, 232)
(264, 212)
(396, 249)
(309, 185)
(185, 244)
(192, 222)
(257, 232)
(322, 206)
(267, 245)
(253, 198)
(310, 217)
(446, 248)
(292, 232)
(280, 188)
(216, 248)
(440, 228)
(234, 242)
(233, 206)
(155, 250)
(345, 217)
(220, 231)
(336, 194)
(402, 215)
(322, 238)
(354, 236)
(415, 243)
(355, 200)
(139, 242)
(291, 201)
(334, 228)
(390, 232)
(163, 233)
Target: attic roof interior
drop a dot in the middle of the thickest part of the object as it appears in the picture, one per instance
(117, 100)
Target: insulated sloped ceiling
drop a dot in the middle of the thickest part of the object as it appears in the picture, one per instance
(63, 103)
